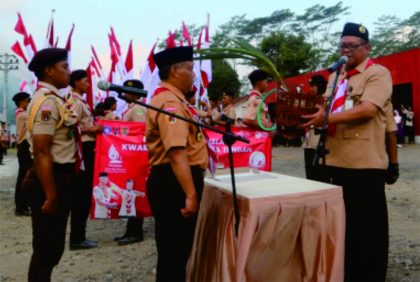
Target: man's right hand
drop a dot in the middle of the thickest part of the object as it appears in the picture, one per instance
(190, 206)
(50, 206)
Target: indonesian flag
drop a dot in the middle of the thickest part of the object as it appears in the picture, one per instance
(116, 48)
(28, 41)
(197, 71)
(206, 72)
(68, 45)
(24, 87)
(186, 34)
(49, 39)
(170, 40)
(150, 75)
(129, 62)
(17, 49)
(97, 64)
(96, 95)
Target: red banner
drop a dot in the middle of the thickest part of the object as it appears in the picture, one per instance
(121, 170)
(256, 154)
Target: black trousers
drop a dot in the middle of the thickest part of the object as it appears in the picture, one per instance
(313, 172)
(367, 238)
(1, 152)
(134, 227)
(82, 199)
(48, 231)
(25, 163)
(174, 234)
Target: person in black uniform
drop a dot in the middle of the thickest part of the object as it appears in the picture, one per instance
(178, 158)
(21, 100)
(83, 195)
(49, 184)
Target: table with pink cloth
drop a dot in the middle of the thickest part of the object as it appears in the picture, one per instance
(291, 229)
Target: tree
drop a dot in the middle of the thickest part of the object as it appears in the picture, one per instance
(224, 78)
(391, 35)
(290, 53)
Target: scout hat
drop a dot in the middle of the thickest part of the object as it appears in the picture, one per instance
(172, 56)
(135, 83)
(354, 29)
(20, 96)
(47, 57)
(257, 75)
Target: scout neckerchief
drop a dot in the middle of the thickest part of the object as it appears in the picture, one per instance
(18, 111)
(77, 133)
(340, 95)
(74, 132)
(210, 150)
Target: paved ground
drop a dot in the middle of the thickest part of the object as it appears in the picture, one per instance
(111, 262)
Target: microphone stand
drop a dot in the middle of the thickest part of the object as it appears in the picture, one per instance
(321, 151)
(228, 138)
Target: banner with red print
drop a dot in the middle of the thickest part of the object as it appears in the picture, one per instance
(256, 154)
(121, 170)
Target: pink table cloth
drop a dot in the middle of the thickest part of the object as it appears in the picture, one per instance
(291, 229)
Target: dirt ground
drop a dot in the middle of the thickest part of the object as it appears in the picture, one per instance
(137, 262)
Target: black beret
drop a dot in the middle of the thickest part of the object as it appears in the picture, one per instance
(354, 29)
(135, 83)
(47, 57)
(172, 56)
(228, 93)
(20, 96)
(77, 75)
(257, 75)
(101, 174)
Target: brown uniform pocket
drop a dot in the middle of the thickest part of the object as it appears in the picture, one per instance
(360, 134)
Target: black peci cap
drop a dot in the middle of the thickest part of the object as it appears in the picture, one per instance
(354, 29)
(135, 83)
(172, 56)
(47, 57)
(103, 174)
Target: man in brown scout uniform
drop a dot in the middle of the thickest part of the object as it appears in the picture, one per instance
(357, 160)
(258, 79)
(137, 113)
(83, 190)
(228, 109)
(21, 100)
(178, 158)
(52, 144)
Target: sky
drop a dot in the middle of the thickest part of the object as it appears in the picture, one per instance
(146, 21)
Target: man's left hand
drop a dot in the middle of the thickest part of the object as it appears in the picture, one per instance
(392, 174)
(315, 119)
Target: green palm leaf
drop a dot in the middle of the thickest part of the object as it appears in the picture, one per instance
(242, 50)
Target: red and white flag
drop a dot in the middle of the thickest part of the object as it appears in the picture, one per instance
(150, 75)
(186, 34)
(98, 64)
(24, 87)
(129, 62)
(206, 71)
(49, 39)
(17, 49)
(68, 45)
(28, 41)
(116, 49)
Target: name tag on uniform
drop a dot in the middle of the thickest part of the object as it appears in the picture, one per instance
(348, 104)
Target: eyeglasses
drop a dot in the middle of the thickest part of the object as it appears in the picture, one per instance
(351, 47)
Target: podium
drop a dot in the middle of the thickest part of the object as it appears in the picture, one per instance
(291, 229)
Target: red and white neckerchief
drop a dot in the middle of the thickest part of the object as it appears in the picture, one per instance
(340, 95)
(255, 93)
(128, 199)
(77, 134)
(213, 159)
(18, 111)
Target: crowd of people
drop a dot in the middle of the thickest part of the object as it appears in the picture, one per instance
(56, 135)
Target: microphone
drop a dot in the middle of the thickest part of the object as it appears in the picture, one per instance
(106, 86)
(334, 66)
